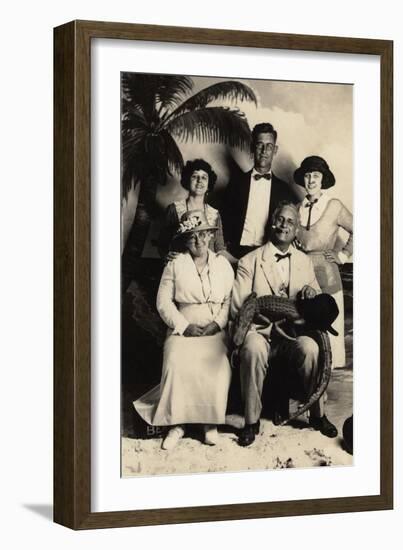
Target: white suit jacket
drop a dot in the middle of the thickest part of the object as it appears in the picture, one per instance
(257, 272)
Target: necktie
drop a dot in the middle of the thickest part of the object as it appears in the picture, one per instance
(310, 206)
(282, 256)
(260, 176)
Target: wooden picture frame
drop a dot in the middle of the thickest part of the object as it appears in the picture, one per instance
(72, 272)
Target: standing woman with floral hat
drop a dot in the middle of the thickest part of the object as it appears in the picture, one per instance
(321, 217)
(193, 300)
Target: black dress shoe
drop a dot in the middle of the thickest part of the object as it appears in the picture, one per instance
(323, 426)
(277, 418)
(247, 434)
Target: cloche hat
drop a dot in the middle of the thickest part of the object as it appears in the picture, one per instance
(315, 164)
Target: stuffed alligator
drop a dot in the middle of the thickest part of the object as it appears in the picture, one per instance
(314, 314)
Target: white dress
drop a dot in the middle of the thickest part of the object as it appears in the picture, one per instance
(196, 373)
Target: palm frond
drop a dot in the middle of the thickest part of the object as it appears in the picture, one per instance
(212, 124)
(151, 92)
(230, 90)
(138, 91)
(133, 143)
(133, 167)
(146, 155)
(173, 154)
(172, 89)
(133, 121)
(143, 168)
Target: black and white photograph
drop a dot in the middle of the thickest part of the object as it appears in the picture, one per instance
(237, 274)
(201, 273)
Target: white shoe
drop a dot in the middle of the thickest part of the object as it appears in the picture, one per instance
(174, 435)
(210, 435)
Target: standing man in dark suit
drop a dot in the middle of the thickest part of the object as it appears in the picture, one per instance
(251, 198)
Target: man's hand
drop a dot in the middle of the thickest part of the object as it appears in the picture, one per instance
(307, 292)
(211, 328)
(193, 330)
(260, 319)
(332, 256)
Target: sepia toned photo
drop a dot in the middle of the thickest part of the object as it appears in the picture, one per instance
(236, 274)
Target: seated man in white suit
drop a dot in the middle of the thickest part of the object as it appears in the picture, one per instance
(280, 269)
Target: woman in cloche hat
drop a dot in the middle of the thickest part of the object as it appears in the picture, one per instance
(321, 217)
(193, 300)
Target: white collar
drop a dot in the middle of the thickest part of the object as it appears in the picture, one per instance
(322, 200)
(274, 250)
(211, 257)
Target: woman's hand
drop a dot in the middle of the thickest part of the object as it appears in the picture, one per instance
(171, 256)
(332, 256)
(193, 330)
(211, 328)
(228, 256)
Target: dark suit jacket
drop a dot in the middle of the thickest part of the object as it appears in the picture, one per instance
(235, 204)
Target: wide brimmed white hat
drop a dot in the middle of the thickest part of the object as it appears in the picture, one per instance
(193, 221)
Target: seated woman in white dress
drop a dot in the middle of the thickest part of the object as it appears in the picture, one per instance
(193, 300)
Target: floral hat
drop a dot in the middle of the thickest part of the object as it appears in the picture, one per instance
(193, 220)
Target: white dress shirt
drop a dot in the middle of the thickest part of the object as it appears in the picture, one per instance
(282, 265)
(257, 213)
(317, 209)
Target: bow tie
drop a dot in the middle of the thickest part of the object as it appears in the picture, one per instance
(309, 205)
(282, 256)
(260, 176)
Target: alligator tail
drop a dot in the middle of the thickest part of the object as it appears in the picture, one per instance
(325, 358)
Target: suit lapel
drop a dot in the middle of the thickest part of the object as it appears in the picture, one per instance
(244, 198)
(270, 272)
(276, 194)
(294, 285)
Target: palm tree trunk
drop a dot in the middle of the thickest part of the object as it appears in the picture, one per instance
(145, 211)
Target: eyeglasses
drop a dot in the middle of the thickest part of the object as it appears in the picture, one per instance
(199, 235)
(264, 146)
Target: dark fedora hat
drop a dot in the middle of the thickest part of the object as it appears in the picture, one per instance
(315, 164)
(319, 312)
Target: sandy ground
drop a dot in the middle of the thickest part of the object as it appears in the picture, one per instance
(296, 446)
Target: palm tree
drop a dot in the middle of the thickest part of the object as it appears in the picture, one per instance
(157, 112)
